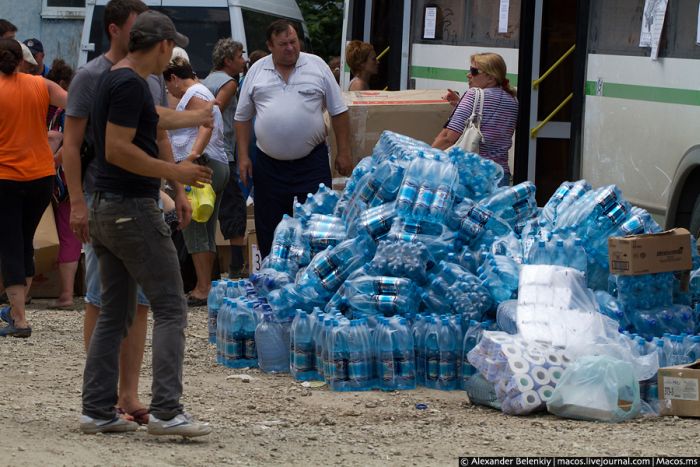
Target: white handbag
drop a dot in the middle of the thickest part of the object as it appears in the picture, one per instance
(471, 138)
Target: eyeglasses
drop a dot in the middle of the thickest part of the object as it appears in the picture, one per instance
(473, 71)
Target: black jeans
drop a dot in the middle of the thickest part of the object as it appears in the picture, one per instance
(278, 182)
(23, 204)
(133, 245)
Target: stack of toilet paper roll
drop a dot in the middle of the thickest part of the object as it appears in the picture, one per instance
(523, 373)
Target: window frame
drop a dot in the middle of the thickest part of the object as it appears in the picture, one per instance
(60, 12)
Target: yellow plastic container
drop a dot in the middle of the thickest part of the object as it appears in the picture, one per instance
(202, 202)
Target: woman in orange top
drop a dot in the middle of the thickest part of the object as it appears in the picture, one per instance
(26, 177)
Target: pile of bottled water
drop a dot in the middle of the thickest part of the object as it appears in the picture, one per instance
(392, 283)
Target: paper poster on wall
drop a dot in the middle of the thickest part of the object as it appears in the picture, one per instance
(652, 25)
(430, 22)
(503, 16)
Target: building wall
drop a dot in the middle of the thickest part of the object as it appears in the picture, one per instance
(61, 37)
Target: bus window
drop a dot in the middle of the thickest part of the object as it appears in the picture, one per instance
(468, 22)
(203, 26)
(682, 27)
(615, 27)
(256, 24)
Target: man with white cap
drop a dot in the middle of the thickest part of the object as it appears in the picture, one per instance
(28, 61)
(131, 238)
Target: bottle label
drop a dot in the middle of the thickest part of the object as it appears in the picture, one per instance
(432, 364)
(251, 351)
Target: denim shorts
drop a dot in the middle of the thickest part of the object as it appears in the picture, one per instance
(93, 287)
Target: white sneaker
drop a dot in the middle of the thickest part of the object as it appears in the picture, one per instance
(180, 425)
(91, 426)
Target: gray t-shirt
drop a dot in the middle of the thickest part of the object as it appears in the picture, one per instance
(81, 96)
(214, 82)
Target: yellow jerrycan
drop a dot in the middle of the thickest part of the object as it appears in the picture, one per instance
(202, 201)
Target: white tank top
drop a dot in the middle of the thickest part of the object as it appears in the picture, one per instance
(183, 138)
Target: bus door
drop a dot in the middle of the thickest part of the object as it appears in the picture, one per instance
(386, 25)
(546, 152)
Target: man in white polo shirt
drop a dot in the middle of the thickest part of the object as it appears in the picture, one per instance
(287, 92)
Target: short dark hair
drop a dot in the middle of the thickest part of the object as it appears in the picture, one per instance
(10, 55)
(6, 26)
(60, 71)
(180, 68)
(279, 26)
(118, 11)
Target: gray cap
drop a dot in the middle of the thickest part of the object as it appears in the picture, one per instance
(152, 26)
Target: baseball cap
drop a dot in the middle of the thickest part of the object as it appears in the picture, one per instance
(27, 54)
(34, 45)
(152, 26)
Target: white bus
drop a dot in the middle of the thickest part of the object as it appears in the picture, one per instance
(204, 22)
(624, 118)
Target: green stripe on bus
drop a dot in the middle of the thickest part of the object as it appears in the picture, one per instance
(646, 93)
(449, 74)
(617, 90)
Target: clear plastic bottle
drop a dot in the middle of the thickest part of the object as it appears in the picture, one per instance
(272, 350)
(215, 300)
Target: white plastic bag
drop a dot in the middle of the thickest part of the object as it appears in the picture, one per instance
(597, 388)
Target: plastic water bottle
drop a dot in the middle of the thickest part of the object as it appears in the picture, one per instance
(506, 316)
(692, 352)
(447, 342)
(431, 342)
(273, 356)
(303, 356)
(419, 327)
(338, 356)
(387, 377)
(404, 356)
(359, 356)
(241, 348)
(214, 301)
(222, 328)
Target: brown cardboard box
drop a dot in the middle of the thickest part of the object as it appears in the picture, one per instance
(678, 390)
(419, 114)
(46, 243)
(650, 253)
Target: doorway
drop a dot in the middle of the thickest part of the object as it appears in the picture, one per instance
(551, 77)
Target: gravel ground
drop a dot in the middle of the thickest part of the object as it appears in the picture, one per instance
(270, 419)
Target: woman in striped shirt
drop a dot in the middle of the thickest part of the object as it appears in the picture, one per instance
(488, 72)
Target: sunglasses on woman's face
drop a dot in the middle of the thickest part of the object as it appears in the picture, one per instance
(473, 71)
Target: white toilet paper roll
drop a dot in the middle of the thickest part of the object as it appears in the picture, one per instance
(545, 392)
(525, 403)
(518, 365)
(511, 350)
(565, 359)
(534, 357)
(555, 374)
(540, 376)
(552, 359)
(519, 384)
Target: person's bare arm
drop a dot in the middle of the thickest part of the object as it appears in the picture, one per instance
(73, 135)
(226, 93)
(445, 139)
(122, 152)
(204, 133)
(182, 205)
(341, 128)
(245, 166)
(171, 119)
(57, 95)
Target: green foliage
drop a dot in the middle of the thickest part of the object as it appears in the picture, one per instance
(324, 20)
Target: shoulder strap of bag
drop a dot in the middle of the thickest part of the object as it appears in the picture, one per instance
(478, 101)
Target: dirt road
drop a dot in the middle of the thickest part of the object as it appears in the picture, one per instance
(270, 419)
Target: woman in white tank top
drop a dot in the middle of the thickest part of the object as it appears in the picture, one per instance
(200, 237)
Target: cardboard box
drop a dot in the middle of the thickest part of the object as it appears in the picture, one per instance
(678, 390)
(650, 253)
(419, 114)
(46, 243)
